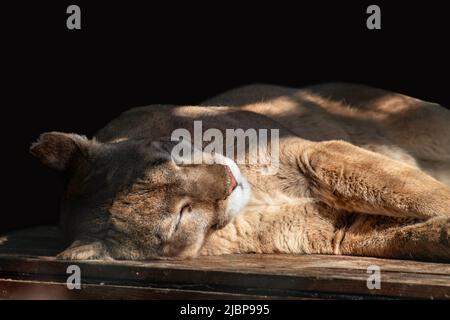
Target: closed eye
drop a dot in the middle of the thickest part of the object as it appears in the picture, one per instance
(186, 209)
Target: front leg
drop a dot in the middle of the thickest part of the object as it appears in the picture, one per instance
(390, 238)
(351, 178)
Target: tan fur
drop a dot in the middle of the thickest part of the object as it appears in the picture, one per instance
(362, 171)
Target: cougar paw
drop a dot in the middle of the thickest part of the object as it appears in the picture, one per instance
(87, 251)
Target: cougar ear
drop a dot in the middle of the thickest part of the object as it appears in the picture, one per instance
(57, 149)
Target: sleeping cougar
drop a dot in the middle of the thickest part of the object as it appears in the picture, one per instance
(362, 171)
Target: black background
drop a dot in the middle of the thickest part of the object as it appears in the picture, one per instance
(130, 53)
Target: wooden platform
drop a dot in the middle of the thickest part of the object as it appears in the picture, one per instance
(28, 270)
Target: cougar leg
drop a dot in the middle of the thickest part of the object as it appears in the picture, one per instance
(348, 177)
(390, 238)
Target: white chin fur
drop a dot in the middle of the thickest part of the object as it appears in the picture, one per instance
(238, 199)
